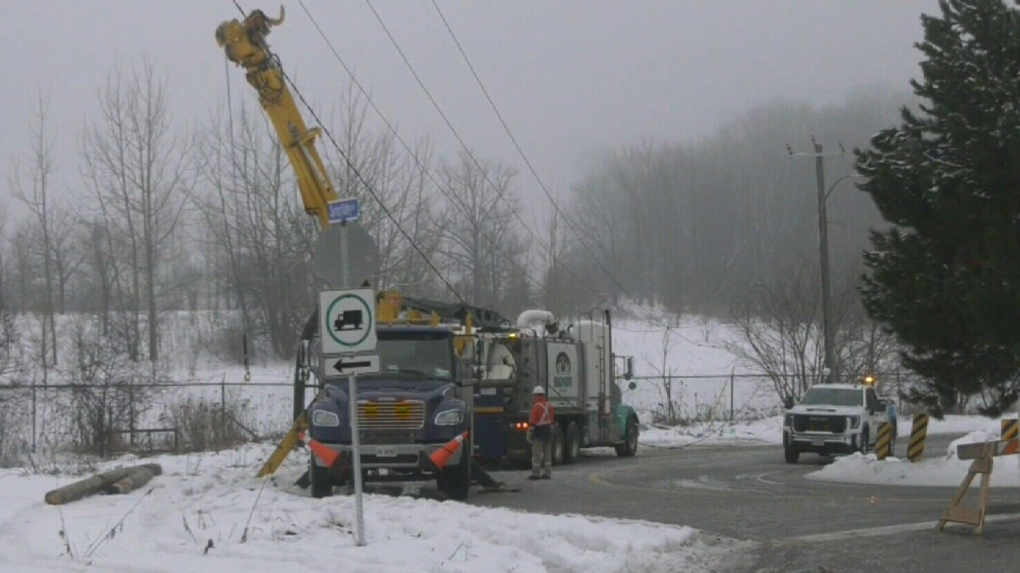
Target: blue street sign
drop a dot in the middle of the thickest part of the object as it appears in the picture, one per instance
(343, 210)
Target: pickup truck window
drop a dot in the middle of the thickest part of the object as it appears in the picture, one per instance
(832, 397)
(872, 399)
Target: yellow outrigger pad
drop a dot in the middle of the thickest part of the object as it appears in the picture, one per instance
(288, 443)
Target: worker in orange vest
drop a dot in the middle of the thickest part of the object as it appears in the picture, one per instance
(540, 435)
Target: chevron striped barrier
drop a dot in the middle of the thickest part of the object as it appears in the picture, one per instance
(1011, 435)
(918, 432)
(884, 443)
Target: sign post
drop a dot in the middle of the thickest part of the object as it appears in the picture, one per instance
(359, 508)
(341, 212)
(347, 323)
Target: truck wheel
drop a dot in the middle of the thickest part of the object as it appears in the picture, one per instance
(792, 454)
(572, 449)
(557, 445)
(629, 446)
(319, 478)
(455, 481)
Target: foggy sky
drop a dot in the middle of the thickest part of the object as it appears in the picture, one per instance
(570, 77)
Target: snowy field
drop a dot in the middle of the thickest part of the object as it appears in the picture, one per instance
(195, 518)
(208, 513)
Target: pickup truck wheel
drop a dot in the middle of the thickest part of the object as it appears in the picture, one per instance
(557, 445)
(455, 481)
(572, 449)
(629, 446)
(320, 480)
(792, 454)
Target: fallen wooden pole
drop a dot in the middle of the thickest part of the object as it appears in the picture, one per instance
(134, 480)
(98, 483)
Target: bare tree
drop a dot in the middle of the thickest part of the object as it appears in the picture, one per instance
(139, 172)
(12, 374)
(256, 223)
(778, 324)
(109, 391)
(32, 186)
(67, 252)
(402, 196)
(480, 241)
(669, 412)
(781, 335)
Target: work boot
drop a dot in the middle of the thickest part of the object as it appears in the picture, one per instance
(533, 477)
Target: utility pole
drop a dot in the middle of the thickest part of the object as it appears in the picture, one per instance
(823, 256)
(829, 368)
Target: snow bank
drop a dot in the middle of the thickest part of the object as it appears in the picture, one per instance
(768, 430)
(195, 518)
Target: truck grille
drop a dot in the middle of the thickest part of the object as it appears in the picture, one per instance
(403, 415)
(813, 423)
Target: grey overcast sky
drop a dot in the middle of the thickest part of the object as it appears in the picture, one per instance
(570, 77)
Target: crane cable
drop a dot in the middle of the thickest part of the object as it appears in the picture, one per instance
(237, 275)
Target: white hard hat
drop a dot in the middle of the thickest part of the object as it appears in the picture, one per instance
(538, 391)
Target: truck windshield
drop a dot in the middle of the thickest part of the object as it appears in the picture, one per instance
(833, 397)
(421, 354)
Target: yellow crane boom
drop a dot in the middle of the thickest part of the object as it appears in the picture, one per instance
(245, 44)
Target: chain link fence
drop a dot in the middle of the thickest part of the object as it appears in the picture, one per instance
(141, 418)
(681, 399)
(195, 415)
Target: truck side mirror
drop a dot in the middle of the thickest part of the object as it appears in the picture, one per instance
(788, 402)
(628, 372)
(632, 385)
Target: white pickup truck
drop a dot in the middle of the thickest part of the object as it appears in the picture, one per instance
(835, 418)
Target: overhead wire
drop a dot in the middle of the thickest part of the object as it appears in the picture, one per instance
(499, 115)
(517, 146)
(463, 144)
(357, 174)
(392, 129)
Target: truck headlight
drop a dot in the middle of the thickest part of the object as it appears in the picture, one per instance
(449, 418)
(324, 418)
(854, 421)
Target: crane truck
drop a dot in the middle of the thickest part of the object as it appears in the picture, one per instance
(416, 403)
(436, 359)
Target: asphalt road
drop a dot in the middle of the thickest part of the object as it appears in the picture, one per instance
(781, 521)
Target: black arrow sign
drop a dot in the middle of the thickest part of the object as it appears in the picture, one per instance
(340, 365)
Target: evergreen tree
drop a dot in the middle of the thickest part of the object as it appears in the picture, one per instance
(944, 276)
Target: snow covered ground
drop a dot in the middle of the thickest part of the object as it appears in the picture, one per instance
(208, 512)
(196, 516)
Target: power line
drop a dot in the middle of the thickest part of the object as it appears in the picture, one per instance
(517, 146)
(449, 124)
(396, 134)
(467, 150)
